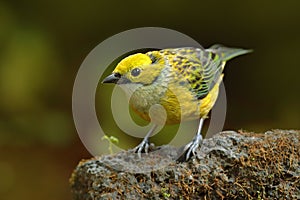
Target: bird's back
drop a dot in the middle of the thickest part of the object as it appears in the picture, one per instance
(194, 75)
(198, 67)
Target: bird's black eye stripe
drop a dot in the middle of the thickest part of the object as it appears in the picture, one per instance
(118, 75)
(135, 72)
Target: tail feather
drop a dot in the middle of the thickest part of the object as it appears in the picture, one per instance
(227, 53)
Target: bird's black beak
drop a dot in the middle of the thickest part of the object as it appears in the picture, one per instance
(113, 78)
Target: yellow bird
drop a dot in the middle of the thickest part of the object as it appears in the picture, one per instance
(185, 81)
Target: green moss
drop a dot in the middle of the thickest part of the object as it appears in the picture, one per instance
(224, 169)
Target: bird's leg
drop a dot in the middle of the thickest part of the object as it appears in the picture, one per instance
(190, 148)
(144, 145)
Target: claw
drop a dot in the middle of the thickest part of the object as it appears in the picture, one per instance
(142, 147)
(190, 149)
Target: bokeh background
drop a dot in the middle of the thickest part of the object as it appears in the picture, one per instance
(42, 44)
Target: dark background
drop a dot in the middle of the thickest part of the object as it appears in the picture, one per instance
(42, 44)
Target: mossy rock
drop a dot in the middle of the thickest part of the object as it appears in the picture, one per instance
(229, 165)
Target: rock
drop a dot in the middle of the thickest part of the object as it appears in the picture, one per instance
(229, 165)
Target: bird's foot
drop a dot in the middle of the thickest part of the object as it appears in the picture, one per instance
(143, 147)
(190, 149)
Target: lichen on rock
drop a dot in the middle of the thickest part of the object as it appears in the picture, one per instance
(229, 165)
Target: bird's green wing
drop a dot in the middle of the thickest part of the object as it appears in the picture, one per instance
(197, 68)
(202, 68)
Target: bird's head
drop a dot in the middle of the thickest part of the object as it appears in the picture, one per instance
(137, 68)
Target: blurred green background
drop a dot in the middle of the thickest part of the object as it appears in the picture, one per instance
(42, 44)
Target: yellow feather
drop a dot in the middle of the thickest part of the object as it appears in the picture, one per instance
(208, 102)
(131, 62)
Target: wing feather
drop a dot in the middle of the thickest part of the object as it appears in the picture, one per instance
(201, 69)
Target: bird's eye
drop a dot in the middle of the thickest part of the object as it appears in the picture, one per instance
(135, 72)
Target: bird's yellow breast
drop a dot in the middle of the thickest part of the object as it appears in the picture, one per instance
(180, 105)
(184, 106)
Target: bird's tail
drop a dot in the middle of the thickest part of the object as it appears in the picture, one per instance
(227, 53)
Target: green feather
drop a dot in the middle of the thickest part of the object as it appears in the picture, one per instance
(202, 68)
(227, 53)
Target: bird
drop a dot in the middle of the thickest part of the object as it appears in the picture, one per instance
(184, 81)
